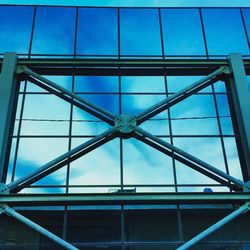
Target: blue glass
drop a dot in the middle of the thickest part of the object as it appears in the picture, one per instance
(182, 32)
(224, 31)
(140, 32)
(15, 28)
(97, 31)
(149, 84)
(246, 16)
(54, 31)
(96, 84)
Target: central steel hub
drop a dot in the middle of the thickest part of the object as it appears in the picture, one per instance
(125, 123)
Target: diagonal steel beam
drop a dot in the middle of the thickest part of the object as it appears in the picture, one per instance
(12, 213)
(192, 158)
(59, 162)
(95, 109)
(187, 162)
(70, 100)
(179, 96)
(241, 210)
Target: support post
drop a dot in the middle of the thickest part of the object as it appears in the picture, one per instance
(243, 209)
(11, 212)
(8, 100)
(240, 102)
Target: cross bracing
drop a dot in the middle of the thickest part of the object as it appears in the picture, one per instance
(128, 125)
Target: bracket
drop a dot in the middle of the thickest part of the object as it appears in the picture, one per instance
(125, 124)
(4, 189)
(2, 208)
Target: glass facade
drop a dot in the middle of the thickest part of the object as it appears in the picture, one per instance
(202, 124)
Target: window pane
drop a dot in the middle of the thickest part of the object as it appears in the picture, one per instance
(149, 84)
(140, 32)
(54, 31)
(99, 167)
(45, 114)
(97, 31)
(145, 165)
(224, 31)
(96, 84)
(34, 152)
(15, 28)
(182, 32)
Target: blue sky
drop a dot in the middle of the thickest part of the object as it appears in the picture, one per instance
(139, 3)
(140, 35)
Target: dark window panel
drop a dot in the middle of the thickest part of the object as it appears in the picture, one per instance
(15, 28)
(97, 31)
(182, 32)
(140, 32)
(54, 31)
(224, 31)
(150, 225)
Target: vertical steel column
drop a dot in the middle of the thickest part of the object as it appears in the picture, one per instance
(240, 97)
(8, 99)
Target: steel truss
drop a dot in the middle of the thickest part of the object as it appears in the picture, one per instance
(126, 126)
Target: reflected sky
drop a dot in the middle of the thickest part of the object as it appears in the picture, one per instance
(139, 33)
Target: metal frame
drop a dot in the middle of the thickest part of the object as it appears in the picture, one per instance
(126, 126)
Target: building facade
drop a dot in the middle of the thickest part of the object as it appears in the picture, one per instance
(124, 128)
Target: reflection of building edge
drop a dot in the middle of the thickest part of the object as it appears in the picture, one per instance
(124, 126)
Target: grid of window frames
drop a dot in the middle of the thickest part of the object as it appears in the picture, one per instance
(201, 124)
(46, 126)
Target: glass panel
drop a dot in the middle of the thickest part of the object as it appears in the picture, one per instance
(145, 165)
(140, 32)
(246, 16)
(99, 167)
(109, 102)
(94, 226)
(144, 225)
(45, 114)
(233, 158)
(15, 28)
(97, 31)
(182, 32)
(85, 124)
(148, 84)
(194, 115)
(54, 31)
(34, 152)
(96, 84)
(177, 83)
(206, 149)
(224, 31)
(192, 226)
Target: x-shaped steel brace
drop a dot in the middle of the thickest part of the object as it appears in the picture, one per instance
(124, 126)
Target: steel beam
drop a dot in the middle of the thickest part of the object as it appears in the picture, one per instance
(192, 158)
(180, 95)
(11, 212)
(55, 164)
(8, 101)
(188, 163)
(70, 100)
(243, 209)
(124, 198)
(105, 115)
(240, 96)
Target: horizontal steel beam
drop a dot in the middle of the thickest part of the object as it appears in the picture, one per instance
(64, 66)
(124, 198)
